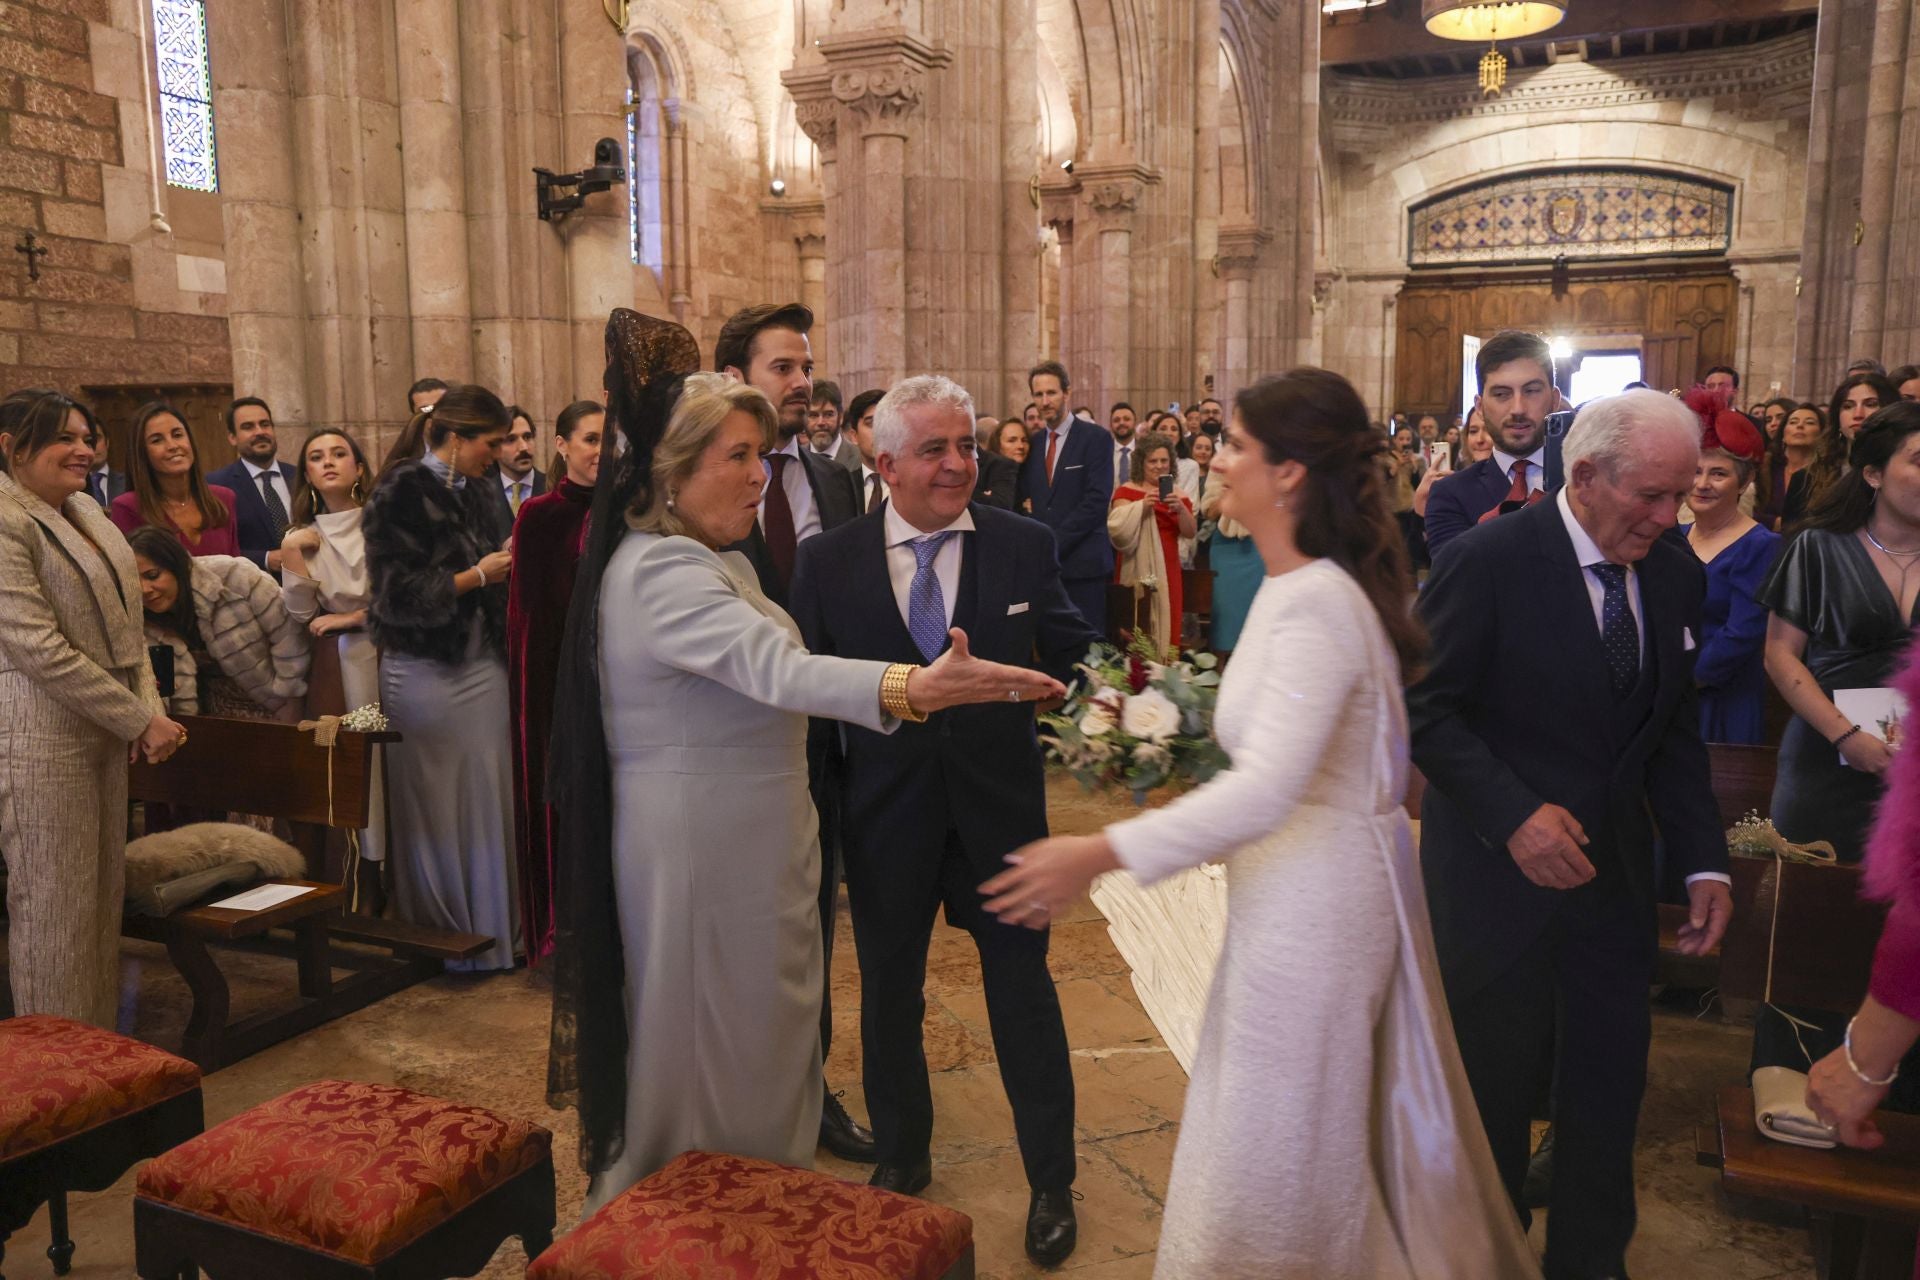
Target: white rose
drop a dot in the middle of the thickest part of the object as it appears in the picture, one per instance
(1096, 720)
(1151, 715)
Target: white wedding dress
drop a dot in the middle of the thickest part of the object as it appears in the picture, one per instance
(1328, 1130)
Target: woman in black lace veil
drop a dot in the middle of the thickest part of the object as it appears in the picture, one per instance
(647, 362)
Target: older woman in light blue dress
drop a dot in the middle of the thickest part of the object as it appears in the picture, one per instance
(705, 694)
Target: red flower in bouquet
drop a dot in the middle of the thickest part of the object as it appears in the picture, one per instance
(1137, 678)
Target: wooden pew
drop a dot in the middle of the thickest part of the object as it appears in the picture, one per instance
(272, 769)
(1820, 936)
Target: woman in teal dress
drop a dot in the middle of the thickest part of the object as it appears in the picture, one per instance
(1236, 569)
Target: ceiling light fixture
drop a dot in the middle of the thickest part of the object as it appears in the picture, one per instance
(1492, 21)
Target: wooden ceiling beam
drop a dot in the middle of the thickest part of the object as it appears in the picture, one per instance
(1396, 31)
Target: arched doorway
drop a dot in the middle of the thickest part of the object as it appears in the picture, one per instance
(1611, 260)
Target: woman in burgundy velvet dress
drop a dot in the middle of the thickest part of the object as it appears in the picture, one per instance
(547, 539)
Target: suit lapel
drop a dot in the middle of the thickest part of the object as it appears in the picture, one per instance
(89, 560)
(871, 572)
(1666, 661)
(970, 610)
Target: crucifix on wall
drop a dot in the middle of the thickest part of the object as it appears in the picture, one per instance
(30, 246)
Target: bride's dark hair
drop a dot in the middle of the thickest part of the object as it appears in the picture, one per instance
(647, 361)
(1315, 417)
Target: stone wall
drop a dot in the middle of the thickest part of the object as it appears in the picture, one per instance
(120, 299)
(1738, 116)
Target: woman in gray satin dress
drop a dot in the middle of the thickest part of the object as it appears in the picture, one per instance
(438, 615)
(705, 690)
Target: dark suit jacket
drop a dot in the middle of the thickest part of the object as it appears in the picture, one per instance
(1074, 503)
(973, 769)
(999, 482)
(1456, 503)
(117, 484)
(1515, 711)
(252, 524)
(836, 495)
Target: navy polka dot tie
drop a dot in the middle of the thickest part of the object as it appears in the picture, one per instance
(1618, 634)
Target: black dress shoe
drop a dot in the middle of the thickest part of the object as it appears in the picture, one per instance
(1051, 1229)
(842, 1136)
(907, 1179)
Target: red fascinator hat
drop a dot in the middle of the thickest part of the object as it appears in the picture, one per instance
(1725, 429)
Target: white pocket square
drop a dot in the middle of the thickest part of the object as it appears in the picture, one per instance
(1022, 607)
(1078, 466)
(1686, 637)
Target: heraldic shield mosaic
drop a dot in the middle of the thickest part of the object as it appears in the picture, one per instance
(1590, 213)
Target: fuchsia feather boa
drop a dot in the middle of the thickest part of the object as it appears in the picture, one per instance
(1893, 850)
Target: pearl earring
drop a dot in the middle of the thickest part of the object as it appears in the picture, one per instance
(669, 499)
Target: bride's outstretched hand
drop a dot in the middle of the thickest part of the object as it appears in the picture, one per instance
(1046, 876)
(957, 677)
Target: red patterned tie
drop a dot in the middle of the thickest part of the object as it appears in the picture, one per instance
(1053, 440)
(1519, 491)
(777, 519)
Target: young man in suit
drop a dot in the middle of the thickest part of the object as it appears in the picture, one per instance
(1557, 726)
(518, 469)
(766, 347)
(262, 486)
(1515, 374)
(932, 810)
(1068, 479)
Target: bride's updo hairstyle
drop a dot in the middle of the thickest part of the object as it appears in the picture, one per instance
(1316, 418)
(706, 401)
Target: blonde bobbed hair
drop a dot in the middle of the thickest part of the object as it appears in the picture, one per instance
(706, 401)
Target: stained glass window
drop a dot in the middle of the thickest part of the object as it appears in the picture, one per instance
(186, 93)
(633, 188)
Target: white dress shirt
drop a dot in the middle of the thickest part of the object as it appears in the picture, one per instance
(902, 563)
(869, 478)
(277, 480)
(1588, 553)
(1536, 468)
(507, 484)
(806, 517)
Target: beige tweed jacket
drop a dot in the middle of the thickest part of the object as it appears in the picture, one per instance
(70, 619)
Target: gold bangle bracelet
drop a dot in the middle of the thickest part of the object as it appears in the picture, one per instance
(893, 693)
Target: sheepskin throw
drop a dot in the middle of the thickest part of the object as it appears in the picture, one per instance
(170, 869)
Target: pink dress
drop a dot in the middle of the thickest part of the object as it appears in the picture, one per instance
(221, 540)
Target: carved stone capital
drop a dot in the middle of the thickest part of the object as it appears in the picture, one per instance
(1239, 251)
(880, 76)
(1323, 289)
(1112, 192)
(814, 108)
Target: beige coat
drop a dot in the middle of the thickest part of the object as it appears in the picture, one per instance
(75, 689)
(247, 631)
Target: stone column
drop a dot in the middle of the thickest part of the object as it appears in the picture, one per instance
(811, 245)
(818, 116)
(1109, 200)
(1766, 322)
(1893, 99)
(266, 304)
(1021, 337)
(1293, 187)
(438, 295)
(349, 184)
(1206, 300)
(1240, 250)
(592, 84)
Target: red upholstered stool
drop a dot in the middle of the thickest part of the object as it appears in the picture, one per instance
(345, 1180)
(715, 1217)
(79, 1107)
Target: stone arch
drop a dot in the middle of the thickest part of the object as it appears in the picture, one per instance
(1098, 47)
(657, 179)
(1239, 192)
(1059, 123)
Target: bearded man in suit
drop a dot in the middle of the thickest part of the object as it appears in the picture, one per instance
(932, 810)
(807, 493)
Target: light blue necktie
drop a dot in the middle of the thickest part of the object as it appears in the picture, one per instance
(926, 606)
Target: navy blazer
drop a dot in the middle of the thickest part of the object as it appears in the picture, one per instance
(1074, 502)
(252, 525)
(1456, 502)
(117, 484)
(1514, 711)
(975, 769)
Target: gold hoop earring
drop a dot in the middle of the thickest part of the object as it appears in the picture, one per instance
(359, 493)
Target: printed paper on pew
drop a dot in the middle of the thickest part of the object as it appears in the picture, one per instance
(260, 897)
(1877, 711)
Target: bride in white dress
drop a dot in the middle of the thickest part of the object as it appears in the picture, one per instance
(1328, 1131)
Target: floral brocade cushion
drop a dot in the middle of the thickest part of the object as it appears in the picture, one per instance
(59, 1078)
(720, 1217)
(354, 1170)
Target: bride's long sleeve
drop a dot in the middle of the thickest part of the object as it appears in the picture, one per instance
(1309, 661)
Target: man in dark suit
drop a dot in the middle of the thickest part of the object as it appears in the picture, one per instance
(103, 482)
(1068, 478)
(262, 487)
(932, 810)
(517, 468)
(1515, 374)
(807, 493)
(1557, 726)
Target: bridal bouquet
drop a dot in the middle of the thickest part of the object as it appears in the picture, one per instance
(1139, 719)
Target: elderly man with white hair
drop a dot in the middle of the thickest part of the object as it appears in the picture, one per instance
(930, 812)
(1558, 729)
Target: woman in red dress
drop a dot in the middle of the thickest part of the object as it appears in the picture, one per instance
(547, 540)
(1848, 1085)
(169, 489)
(1146, 530)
